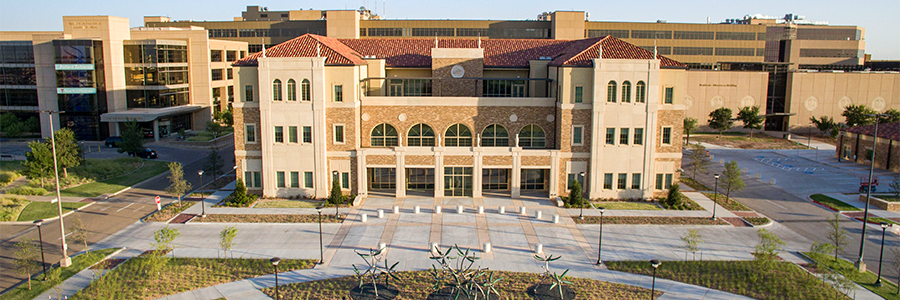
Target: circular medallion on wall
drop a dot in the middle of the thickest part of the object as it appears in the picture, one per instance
(550, 118)
(457, 71)
(513, 117)
(811, 103)
(688, 101)
(717, 102)
(878, 104)
(365, 116)
(844, 102)
(401, 117)
(748, 101)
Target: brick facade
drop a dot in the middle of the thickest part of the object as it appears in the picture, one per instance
(853, 146)
(346, 117)
(242, 116)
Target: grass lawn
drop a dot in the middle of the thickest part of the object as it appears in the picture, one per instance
(79, 262)
(881, 220)
(44, 210)
(731, 204)
(287, 204)
(131, 281)
(628, 205)
(418, 285)
(229, 218)
(11, 165)
(169, 211)
(743, 141)
(757, 221)
(649, 220)
(890, 198)
(151, 168)
(694, 184)
(782, 280)
(834, 203)
(887, 290)
(10, 206)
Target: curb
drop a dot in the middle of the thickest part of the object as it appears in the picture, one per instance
(49, 219)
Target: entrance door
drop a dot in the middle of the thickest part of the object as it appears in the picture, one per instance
(495, 179)
(382, 179)
(458, 181)
(420, 182)
(533, 179)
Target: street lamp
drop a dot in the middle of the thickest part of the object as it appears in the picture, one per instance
(202, 203)
(600, 242)
(809, 137)
(860, 264)
(38, 223)
(321, 245)
(581, 203)
(655, 263)
(275, 261)
(715, 197)
(884, 227)
(65, 261)
(336, 178)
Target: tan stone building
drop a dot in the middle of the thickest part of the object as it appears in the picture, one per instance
(458, 118)
(855, 144)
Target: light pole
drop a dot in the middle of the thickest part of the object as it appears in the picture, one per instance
(336, 178)
(275, 261)
(202, 203)
(655, 263)
(38, 223)
(715, 197)
(321, 245)
(66, 260)
(860, 264)
(809, 137)
(884, 227)
(600, 242)
(581, 203)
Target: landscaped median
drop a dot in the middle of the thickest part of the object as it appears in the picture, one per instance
(259, 218)
(729, 203)
(888, 290)
(79, 262)
(169, 211)
(17, 208)
(616, 220)
(833, 204)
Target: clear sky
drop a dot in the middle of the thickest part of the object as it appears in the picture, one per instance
(880, 18)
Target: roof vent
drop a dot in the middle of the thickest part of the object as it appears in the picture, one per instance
(545, 58)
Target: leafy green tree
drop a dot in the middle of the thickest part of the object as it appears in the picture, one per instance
(26, 259)
(226, 239)
(858, 115)
(674, 199)
(751, 118)
(836, 235)
(731, 179)
(68, 153)
(228, 117)
(336, 196)
(215, 128)
(720, 120)
(38, 162)
(214, 163)
(767, 248)
(891, 116)
(690, 124)
(692, 240)
(11, 125)
(575, 197)
(164, 238)
(132, 137)
(826, 125)
(699, 161)
(54, 280)
(33, 124)
(79, 232)
(178, 186)
(895, 186)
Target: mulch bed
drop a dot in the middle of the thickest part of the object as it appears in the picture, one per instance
(182, 218)
(87, 200)
(859, 215)
(108, 264)
(650, 220)
(736, 222)
(260, 218)
(745, 214)
(149, 252)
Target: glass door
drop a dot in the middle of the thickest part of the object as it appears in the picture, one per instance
(458, 181)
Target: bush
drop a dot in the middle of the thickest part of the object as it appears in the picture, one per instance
(27, 191)
(240, 198)
(674, 200)
(7, 176)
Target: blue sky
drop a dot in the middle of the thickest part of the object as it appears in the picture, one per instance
(880, 18)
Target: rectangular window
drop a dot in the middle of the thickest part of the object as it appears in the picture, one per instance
(250, 133)
(248, 179)
(339, 134)
(248, 93)
(229, 73)
(345, 181)
(869, 154)
(610, 136)
(577, 135)
(292, 134)
(338, 93)
(668, 181)
(216, 74)
(636, 181)
(295, 179)
(623, 181)
(215, 55)
(659, 181)
(579, 94)
(667, 135)
(670, 94)
(257, 179)
(638, 136)
(279, 179)
(308, 180)
(624, 134)
(279, 134)
(307, 134)
(570, 181)
(252, 179)
(231, 55)
(607, 181)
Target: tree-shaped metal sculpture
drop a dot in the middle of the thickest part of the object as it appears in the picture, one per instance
(456, 272)
(373, 271)
(548, 275)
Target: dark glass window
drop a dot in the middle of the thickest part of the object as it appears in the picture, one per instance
(503, 88)
(532, 136)
(18, 97)
(458, 135)
(215, 55)
(384, 135)
(616, 33)
(420, 135)
(17, 76)
(495, 135)
(472, 32)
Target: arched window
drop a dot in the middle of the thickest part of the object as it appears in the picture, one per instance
(292, 90)
(626, 92)
(384, 135)
(494, 136)
(420, 135)
(276, 90)
(304, 90)
(532, 136)
(611, 91)
(458, 135)
(640, 92)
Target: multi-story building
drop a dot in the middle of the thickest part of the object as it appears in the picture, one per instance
(855, 144)
(458, 118)
(99, 73)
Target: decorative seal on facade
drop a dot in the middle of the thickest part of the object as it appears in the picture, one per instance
(513, 118)
(844, 102)
(688, 101)
(550, 118)
(878, 104)
(457, 71)
(717, 102)
(811, 103)
(748, 101)
(365, 116)
(401, 117)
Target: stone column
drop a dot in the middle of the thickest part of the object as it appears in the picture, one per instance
(476, 174)
(438, 173)
(156, 130)
(554, 173)
(516, 180)
(400, 173)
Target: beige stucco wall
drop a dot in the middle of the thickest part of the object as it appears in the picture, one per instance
(826, 94)
(708, 90)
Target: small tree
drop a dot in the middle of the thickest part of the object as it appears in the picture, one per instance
(699, 161)
(215, 128)
(826, 125)
(720, 120)
(674, 199)
(177, 185)
(767, 248)
(336, 197)
(164, 238)
(214, 163)
(26, 259)
(836, 235)
(858, 115)
(68, 153)
(132, 137)
(79, 232)
(895, 186)
(38, 162)
(692, 240)
(228, 117)
(690, 124)
(226, 239)
(54, 280)
(890, 116)
(240, 198)
(751, 118)
(575, 197)
(731, 179)
(821, 249)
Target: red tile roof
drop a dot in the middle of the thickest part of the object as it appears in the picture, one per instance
(497, 52)
(890, 131)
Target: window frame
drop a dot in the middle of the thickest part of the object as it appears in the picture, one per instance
(280, 180)
(532, 139)
(277, 90)
(636, 181)
(624, 136)
(621, 181)
(308, 180)
(494, 138)
(669, 97)
(610, 136)
(640, 92)
(338, 139)
(278, 134)
(295, 179)
(663, 135)
(579, 136)
(611, 88)
(291, 90)
(421, 137)
(384, 138)
(638, 138)
(305, 90)
(578, 94)
(248, 93)
(458, 137)
(626, 91)
(304, 131)
(607, 181)
(251, 137)
(338, 93)
(292, 134)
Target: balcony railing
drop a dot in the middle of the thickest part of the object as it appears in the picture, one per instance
(456, 87)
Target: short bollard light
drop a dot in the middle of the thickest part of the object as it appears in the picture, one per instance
(480, 210)
(537, 214)
(437, 209)
(363, 218)
(522, 211)
(459, 209)
(655, 263)
(275, 261)
(434, 248)
(555, 219)
(538, 248)
(487, 248)
(382, 246)
(381, 214)
(416, 209)
(396, 209)
(502, 210)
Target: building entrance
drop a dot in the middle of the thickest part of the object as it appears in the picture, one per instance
(458, 181)
(420, 182)
(382, 180)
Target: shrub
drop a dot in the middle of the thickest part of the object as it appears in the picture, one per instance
(674, 200)
(240, 198)
(27, 191)
(7, 176)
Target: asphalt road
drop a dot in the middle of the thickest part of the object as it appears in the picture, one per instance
(104, 217)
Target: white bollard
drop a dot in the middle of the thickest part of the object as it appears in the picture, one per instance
(381, 246)
(480, 210)
(487, 248)
(363, 218)
(416, 209)
(538, 248)
(437, 209)
(555, 219)
(772, 181)
(537, 215)
(522, 210)
(381, 214)
(502, 210)
(758, 176)
(396, 209)
(434, 248)
(459, 209)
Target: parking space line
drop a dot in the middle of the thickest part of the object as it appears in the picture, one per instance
(126, 206)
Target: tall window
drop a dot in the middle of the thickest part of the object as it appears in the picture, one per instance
(670, 93)
(250, 133)
(611, 92)
(577, 135)
(611, 136)
(304, 90)
(338, 93)
(295, 179)
(495, 135)
(458, 135)
(532, 136)
(638, 136)
(624, 134)
(626, 92)
(667, 135)
(279, 176)
(292, 90)
(308, 180)
(384, 135)
(279, 134)
(307, 134)
(623, 181)
(248, 93)
(579, 94)
(292, 134)
(420, 135)
(640, 92)
(607, 181)
(339, 134)
(276, 90)
(636, 181)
